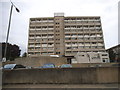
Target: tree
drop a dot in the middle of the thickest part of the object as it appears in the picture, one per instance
(24, 54)
(112, 55)
(13, 51)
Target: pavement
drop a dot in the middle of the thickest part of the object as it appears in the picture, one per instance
(61, 87)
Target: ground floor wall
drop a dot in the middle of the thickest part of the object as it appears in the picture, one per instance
(39, 61)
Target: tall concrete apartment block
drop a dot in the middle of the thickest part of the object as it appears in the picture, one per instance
(65, 36)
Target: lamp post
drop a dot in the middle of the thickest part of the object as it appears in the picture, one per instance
(12, 5)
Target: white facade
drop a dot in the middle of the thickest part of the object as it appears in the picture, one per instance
(92, 57)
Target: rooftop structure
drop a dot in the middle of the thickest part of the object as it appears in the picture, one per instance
(92, 57)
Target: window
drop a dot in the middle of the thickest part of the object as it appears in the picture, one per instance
(57, 31)
(57, 52)
(93, 42)
(68, 51)
(44, 53)
(67, 38)
(68, 47)
(74, 38)
(103, 60)
(81, 55)
(104, 54)
(50, 43)
(57, 26)
(50, 26)
(57, 23)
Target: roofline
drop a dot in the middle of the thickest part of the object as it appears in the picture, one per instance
(68, 17)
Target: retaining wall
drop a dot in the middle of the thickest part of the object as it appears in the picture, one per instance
(91, 75)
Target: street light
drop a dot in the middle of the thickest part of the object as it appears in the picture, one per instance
(12, 5)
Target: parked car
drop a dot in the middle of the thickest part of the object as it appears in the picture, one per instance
(66, 66)
(13, 66)
(1, 68)
(49, 65)
(28, 67)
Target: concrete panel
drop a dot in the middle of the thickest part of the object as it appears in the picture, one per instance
(107, 75)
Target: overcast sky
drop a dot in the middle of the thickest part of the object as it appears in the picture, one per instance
(106, 9)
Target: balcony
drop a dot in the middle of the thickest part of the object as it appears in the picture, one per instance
(31, 37)
(67, 45)
(51, 45)
(50, 36)
(68, 49)
(100, 44)
(73, 45)
(44, 37)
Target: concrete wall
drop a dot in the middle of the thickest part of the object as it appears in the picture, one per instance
(92, 57)
(82, 58)
(60, 75)
(92, 64)
(39, 61)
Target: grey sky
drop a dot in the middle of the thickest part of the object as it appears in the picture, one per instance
(107, 9)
